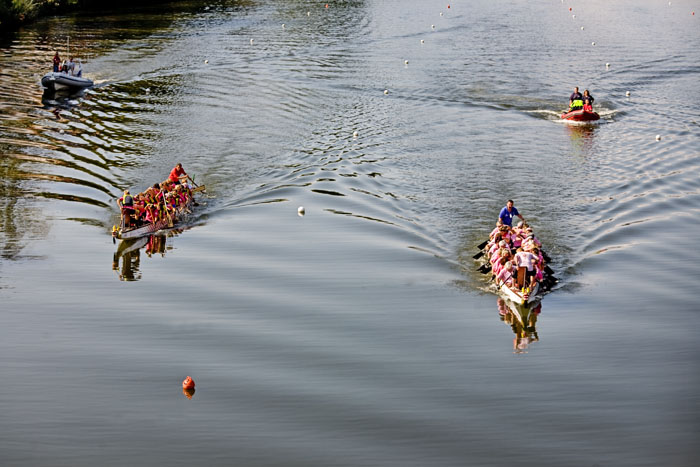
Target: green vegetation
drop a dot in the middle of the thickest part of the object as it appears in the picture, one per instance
(16, 12)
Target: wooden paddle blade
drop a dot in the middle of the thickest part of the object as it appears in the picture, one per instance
(478, 255)
(199, 188)
(482, 245)
(484, 269)
(548, 270)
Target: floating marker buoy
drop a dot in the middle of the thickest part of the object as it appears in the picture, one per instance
(251, 41)
(188, 383)
(592, 43)
(301, 211)
(658, 137)
(206, 61)
(282, 25)
(326, 5)
(308, 13)
(188, 393)
(573, 16)
(607, 65)
(581, 28)
(422, 41)
(441, 13)
(569, 8)
(432, 26)
(355, 134)
(405, 62)
(386, 91)
(62, 131)
(627, 94)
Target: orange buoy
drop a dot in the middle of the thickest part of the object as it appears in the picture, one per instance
(188, 383)
(569, 8)
(448, 6)
(326, 5)
(188, 393)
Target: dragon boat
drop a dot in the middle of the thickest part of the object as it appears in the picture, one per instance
(170, 219)
(520, 294)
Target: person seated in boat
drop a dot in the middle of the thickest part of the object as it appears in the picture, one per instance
(506, 275)
(70, 66)
(507, 213)
(177, 173)
(525, 260)
(587, 101)
(56, 62)
(575, 100)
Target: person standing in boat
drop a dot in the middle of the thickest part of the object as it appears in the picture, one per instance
(56, 63)
(575, 100)
(507, 213)
(176, 173)
(587, 101)
(126, 203)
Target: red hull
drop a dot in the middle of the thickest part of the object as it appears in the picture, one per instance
(580, 116)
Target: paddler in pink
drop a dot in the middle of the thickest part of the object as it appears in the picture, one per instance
(525, 259)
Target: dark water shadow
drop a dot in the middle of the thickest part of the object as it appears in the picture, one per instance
(126, 261)
(522, 320)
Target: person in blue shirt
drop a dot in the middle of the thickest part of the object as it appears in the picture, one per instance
(507, 213)
(575, 100)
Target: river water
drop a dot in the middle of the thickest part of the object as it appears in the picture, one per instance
(359, 334)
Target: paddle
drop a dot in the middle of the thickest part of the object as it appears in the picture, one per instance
(165, 206)
(478, 255)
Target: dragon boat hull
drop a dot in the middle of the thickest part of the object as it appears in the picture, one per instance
(580, 116)
(149, 229)
(518, 297)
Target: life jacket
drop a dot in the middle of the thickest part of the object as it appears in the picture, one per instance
(577, 103)
(128, 201)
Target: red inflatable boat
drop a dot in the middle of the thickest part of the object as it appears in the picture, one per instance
(580, 115)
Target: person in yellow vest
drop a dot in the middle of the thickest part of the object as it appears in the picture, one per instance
(576, 100)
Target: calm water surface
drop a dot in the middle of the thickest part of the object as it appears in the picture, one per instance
(359, 334)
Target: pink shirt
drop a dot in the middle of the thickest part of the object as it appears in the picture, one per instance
(526, 259)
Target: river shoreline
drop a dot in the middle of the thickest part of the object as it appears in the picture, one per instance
(14, 15)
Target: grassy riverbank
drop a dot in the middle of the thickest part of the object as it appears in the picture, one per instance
(14, 13)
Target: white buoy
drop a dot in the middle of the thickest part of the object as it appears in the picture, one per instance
(627, 94)
(206, 61)
(386, 91)
(63, 131)
(282, 25)
(432, 26)
(301, 211)
(573, 16)
(308, 13)
(592, 43)
(355, 134)
(658, 137)
(148, 90)
(441, 13)
(251, 41)
(607, 65)
(405, 62)
(422, 41)
(582, 28)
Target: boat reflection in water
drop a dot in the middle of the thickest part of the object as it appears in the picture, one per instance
(522, 319)
(129, 254)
